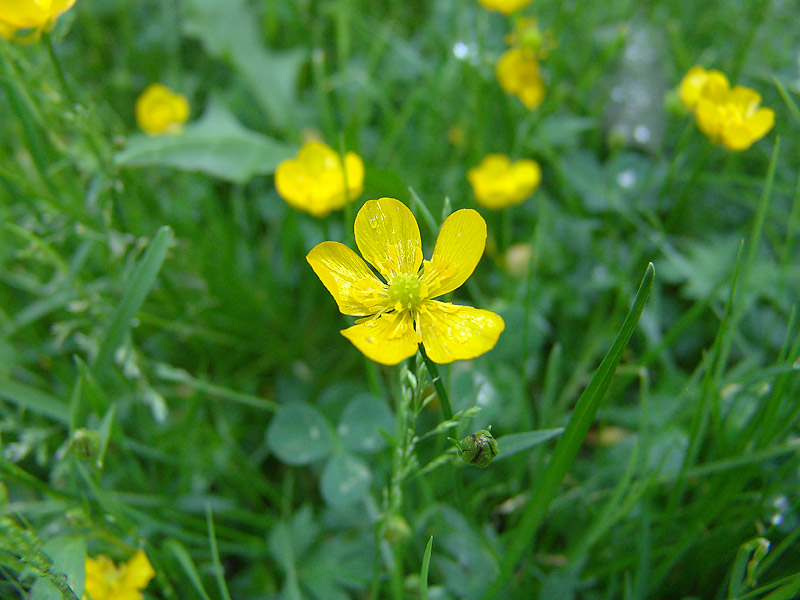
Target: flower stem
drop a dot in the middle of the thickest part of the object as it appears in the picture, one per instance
(48, 42)
(436, 379)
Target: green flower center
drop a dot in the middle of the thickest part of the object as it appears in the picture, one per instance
(405, 291)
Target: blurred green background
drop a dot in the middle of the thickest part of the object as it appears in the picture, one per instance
(165, 348)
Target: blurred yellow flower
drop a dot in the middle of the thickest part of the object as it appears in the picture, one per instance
(159, 110)
(518, 74)
(106, 581)
(35, 15)
(731, 117)
(737, 122)
(699, 83)
(499, 183)
(314, 181)
(402, 313)
(505, 6)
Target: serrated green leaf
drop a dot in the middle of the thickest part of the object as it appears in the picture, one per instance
(229, 32)
(217, 144)
(69, 556)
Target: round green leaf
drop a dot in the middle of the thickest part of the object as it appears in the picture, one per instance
(299, 434)
(345, 479)
(361, 424)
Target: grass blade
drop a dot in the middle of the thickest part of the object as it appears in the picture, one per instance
(182, 556)
(787, 99)
(32, 399)
(142, 279)
(423, 574)
(569, 444)
(219, 572)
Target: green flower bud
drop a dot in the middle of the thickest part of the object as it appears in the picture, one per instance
(478, 449)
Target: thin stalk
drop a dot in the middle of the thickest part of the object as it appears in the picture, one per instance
(436, 379)
(48, 43)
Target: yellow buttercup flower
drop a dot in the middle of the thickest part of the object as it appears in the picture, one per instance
(106, 581)
(400, 312)
(160, 111)
(499, 183)
(731, 117)
(518, 74)
(505, 6)
(736, 123)
(699, 83)
(314, 181)
(35, 15)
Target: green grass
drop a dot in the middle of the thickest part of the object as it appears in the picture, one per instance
(158, 316)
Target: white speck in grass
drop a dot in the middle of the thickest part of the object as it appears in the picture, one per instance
(641, 134)
(626, 179)
(314, 433)
(460, 50)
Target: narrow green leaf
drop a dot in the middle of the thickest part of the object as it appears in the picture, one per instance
(787, 591)
(185, 561)
(219, 572)
(104, 433)
(569, 444)
(423, 574)
(517, 442)
(34, 400)
(787, 99)
(175, 375)
(142, 279)
(427, 216)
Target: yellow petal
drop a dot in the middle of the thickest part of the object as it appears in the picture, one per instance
(24, 14)
(716, 87)
(348, 278)
(691, 86)
(387, 339)
(451, 332)
(744, 99)
(736, 137)
(354, 167)
(458, 250)
(59, 6)
(709, 118)
(138, 572)
(388, 237)
(761, 122)
(505, 6)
